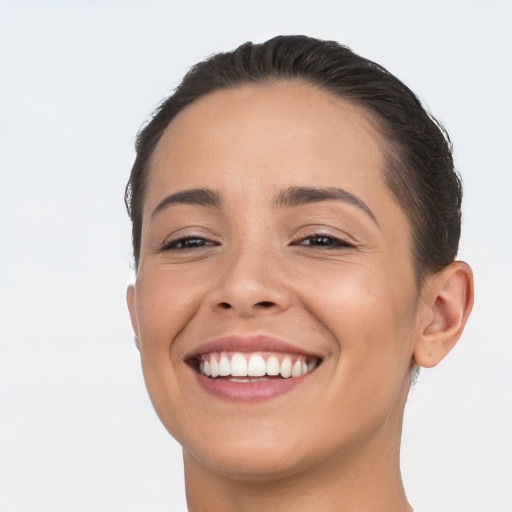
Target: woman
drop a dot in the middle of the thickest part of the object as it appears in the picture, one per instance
(296, 216)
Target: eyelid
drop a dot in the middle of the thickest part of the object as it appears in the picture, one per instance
(318, 231)
(173, 244)
(336, 243)
(187, 234)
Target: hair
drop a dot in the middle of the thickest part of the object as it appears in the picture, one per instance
(419, 168)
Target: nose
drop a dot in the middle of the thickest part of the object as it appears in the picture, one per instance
(250, 284)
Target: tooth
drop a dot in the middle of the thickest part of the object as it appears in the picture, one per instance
(238, 365)
(272, 366)
(286, 368)
(214, 366)
(256, 366)
(224, 366)
(297, 366)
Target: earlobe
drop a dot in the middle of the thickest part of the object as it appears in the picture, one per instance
(130, 300)
(447, 303)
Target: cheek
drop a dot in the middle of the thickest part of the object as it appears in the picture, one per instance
(371, 315)
(165, 302)
(371, 320)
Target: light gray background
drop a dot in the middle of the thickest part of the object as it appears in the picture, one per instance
(77, 79)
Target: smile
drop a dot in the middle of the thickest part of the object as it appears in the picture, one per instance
(251, 369)
(254, 367)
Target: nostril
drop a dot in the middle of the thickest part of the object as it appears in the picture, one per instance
(261, 305)
(265, 304)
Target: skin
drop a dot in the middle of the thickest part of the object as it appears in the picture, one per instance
(333, 442)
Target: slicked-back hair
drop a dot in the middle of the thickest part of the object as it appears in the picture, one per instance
(419, 167)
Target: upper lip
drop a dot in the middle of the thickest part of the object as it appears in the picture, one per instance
(256, 343)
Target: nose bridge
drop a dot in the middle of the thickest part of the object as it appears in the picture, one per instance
(250, 281)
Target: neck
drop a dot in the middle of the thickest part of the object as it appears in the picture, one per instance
(366, 480)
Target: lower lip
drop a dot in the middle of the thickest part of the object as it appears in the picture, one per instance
(248, 391)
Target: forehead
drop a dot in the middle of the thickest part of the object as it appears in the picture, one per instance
(278, 134)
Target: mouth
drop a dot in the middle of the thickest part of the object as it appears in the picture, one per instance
(250, 369)
(243, 367)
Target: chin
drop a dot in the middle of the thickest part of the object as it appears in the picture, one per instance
(252, 461)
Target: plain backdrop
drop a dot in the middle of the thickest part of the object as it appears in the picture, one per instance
(77, 79)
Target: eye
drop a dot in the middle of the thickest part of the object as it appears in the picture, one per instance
(324, 242)
(189, 242)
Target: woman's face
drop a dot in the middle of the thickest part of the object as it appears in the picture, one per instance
(270, 244)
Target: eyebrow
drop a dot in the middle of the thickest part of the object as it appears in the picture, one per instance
(194, 196)
(297, 196)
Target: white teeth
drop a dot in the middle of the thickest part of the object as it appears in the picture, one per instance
(224, 366)
(238, 365)
(238, 379)
(253, 368)
(286, 368)
(296, 368)
(273, 366)
(214, 366)
(256, 366)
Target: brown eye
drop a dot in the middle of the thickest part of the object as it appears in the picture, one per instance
(325, 241)
(192, 242)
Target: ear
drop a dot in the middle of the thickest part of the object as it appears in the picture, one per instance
(447, 303)
(130, 300)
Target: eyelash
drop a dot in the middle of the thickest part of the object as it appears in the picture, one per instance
(333, 242)
(324, 241)
(184, 241)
